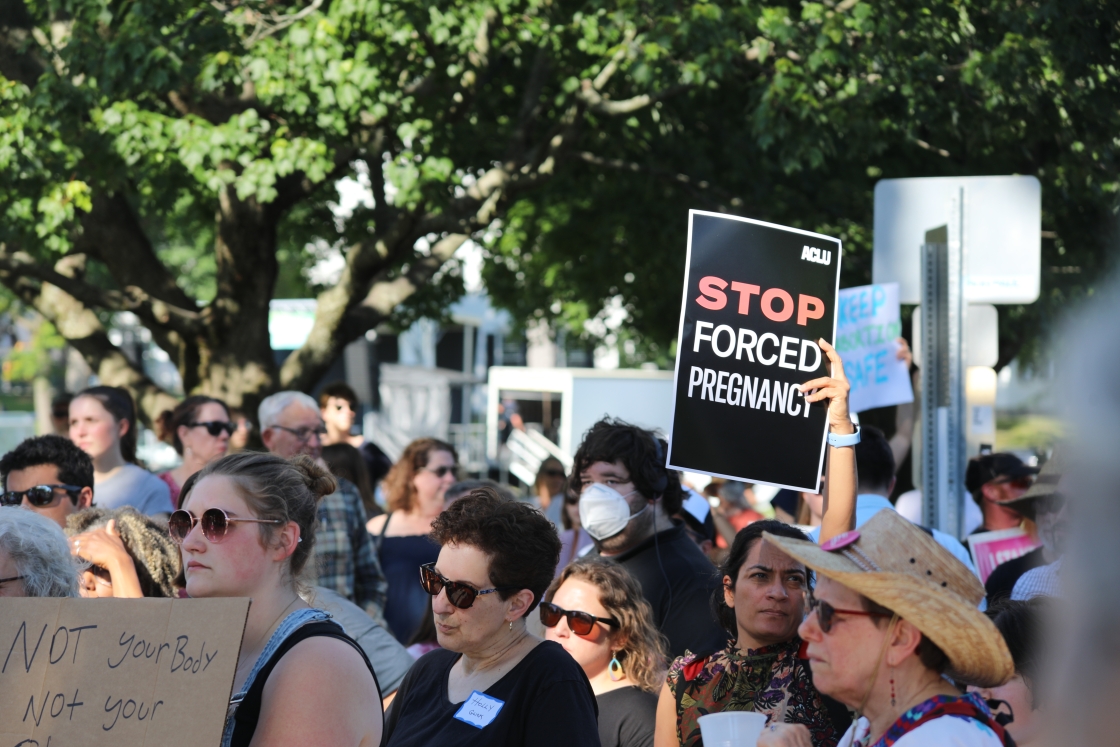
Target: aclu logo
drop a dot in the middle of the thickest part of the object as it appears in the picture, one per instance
(813, 254)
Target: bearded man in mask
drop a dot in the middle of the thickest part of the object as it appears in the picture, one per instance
(626, 499)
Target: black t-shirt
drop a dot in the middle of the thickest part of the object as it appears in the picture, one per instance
(1003, 578)
(682, 607)
(627, 717)
(547, 699)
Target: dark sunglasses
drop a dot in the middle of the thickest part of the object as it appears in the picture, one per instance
(826, 613)
(303, 435)
(580, 623)
(1020, 483)
(555, 473)
(459, 594)
(214, 427)
(215, 524)
(441, 471)
(38, 496)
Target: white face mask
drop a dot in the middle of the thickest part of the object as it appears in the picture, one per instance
(604, 512)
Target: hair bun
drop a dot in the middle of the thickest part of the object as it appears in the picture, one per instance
(317, 478)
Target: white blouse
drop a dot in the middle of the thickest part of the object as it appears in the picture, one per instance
(945, 731)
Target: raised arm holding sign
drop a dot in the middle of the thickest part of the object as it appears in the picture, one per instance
(759, 308)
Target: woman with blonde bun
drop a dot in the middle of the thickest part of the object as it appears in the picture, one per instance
(247, 529)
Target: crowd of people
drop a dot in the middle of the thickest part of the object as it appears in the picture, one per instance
(394, 604)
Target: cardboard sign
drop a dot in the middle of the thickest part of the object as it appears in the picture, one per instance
(993, 549)
(757, 297)
(87, 672)
(869, 320)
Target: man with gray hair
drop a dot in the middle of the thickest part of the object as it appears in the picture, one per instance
(344, 558)
(35, 559)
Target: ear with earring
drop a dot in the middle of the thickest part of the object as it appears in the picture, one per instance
(616, 668)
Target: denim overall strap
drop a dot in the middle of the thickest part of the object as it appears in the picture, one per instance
(293, 621)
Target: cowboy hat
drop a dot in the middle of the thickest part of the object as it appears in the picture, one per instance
(898, 565)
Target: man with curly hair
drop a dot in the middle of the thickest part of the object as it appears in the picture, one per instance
(627, 499)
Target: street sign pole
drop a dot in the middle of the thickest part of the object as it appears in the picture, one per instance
(943, 392)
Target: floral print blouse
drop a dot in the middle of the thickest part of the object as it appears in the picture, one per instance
(756, 680)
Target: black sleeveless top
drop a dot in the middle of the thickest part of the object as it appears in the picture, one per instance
(248, 712)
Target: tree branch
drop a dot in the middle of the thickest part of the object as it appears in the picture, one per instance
(83, 330)
(599, 104)
(112, 233)
(152, 311)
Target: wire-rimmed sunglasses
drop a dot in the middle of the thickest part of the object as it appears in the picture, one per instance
(38, 496)
(458, 593)
(215, 524)
(826, 613)
(215, 427)
(579, 622)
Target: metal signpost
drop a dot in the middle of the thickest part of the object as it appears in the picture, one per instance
(981, 244)
(943, 426)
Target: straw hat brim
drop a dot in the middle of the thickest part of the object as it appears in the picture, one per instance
(976, 650)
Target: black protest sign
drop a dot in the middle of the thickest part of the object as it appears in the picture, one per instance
(757, 297)
(129, 672)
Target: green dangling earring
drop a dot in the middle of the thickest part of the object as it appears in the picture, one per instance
(616, 668)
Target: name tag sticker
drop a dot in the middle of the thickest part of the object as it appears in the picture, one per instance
(479, 710)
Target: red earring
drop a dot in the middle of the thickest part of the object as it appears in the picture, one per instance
(892, 690)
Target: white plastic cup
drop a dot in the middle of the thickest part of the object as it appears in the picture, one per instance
(731, 728)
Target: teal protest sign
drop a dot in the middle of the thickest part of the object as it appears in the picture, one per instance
(868, 325)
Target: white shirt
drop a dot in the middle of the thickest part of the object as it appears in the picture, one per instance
(946, 731)
(869, 504)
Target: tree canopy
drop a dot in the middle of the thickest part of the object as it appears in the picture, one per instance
(175, 159)
(827, 99)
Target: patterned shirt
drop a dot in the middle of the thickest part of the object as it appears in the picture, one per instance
(1039, 582)
(761, 680)
(344, 556)
(941, 721)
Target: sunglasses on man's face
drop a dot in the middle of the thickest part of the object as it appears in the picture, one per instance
(441, 472)
(215, 524)
(579, 623)
(38, 496)
(826, 613)
(555, 473)
(459, 594)
(215, 427)
(1019, 483)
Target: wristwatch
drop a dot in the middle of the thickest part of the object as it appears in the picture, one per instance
(835, 439)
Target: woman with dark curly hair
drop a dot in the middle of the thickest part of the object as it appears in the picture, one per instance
(414, 491)
(130, 555)
(596, 611)
(492, 683)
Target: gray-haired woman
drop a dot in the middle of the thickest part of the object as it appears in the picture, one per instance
(35, 560)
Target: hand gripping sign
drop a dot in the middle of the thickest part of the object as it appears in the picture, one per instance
(757, 296)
